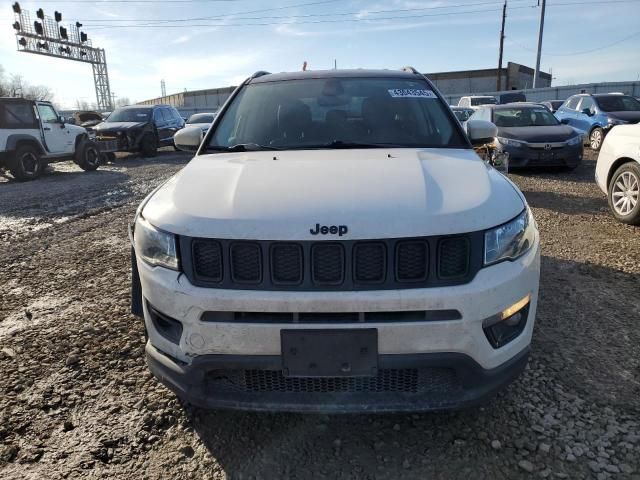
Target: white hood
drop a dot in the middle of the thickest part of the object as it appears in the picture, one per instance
(376, 193)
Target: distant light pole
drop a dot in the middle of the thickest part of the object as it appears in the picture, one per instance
(536, 73)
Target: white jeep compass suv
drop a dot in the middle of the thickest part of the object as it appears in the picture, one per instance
(336, 245)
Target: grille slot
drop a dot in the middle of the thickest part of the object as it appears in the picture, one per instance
(286, 263)
(246, 262)
(453, 255)
(405, 380)
(412, 261)
(207, 256)
(370, 262)
(327, 263)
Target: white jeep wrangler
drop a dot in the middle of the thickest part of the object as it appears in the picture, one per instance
(32, 134)
(336, 245)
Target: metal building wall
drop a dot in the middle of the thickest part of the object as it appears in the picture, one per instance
(560, 93)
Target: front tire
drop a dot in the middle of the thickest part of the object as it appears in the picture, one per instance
(596, 137)
(624, 194)
(26, 164)
(148, 146)
(88, 156)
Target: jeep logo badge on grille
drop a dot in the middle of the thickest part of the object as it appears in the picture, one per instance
(339, 230)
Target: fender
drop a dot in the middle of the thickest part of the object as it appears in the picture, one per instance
(14, 139)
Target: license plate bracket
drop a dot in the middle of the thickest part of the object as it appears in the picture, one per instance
(329, 353)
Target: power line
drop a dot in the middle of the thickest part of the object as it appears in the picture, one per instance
(375, 12)
(583, 52)
(346, 20)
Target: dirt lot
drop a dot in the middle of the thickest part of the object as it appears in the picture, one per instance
(76, 400)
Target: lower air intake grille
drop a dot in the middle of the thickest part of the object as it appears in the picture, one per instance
(408, 380)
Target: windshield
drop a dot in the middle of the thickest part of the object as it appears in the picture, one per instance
(338, 113)
(618, 103)
(475, 101)
(524, 117)
(201, 118)
(130, 115)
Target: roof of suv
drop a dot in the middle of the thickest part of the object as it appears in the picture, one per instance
(275, 77)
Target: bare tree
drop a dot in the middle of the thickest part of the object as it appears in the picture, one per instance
(82, 104)
(39, 92)
(122, 101)
(4, 91)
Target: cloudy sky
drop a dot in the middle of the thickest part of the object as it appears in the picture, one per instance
(194, 44)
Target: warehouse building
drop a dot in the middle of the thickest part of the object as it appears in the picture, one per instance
(514, 77)
(467, 82)
(188, 103)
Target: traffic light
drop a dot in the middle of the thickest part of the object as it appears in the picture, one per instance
(58, 16)
(37, 26)
(23, 42)
(16, 26)
(83, 37)
(66, 50)
(40, 14)
(63, 33)
(44, 45)
(78, 24)
(16, 8)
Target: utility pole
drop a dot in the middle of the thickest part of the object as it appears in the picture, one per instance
(504, 16)
(536, 74)
(163, 88)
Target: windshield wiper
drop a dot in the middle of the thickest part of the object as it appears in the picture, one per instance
(342, 144)
(242, 147)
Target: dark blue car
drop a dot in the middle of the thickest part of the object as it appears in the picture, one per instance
(594, 115)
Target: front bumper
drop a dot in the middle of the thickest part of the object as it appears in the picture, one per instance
(566, 156)
(448, 363)
(420, 382)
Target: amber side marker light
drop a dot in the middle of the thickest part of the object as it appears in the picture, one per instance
(507, 325)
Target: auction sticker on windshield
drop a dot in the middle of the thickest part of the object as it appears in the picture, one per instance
(411, 93)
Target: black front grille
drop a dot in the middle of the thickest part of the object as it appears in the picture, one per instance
(453, 257)
(207, 259)
(405, 380)
(412, 260)
(327, 260)
(286, 264)
(332, 265)
(370, 262)
(246, 262)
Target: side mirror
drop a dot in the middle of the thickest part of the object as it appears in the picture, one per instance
(61, 119)
(188, 139)
(71, 121)
(480, 131)
(565, 121)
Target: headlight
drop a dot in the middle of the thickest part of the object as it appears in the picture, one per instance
(155, 246)
(511, 240)
(577, 140)
(509, 142)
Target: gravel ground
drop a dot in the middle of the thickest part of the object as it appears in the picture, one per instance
(76, 399)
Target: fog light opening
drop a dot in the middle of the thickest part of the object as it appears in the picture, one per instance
(507, 325)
